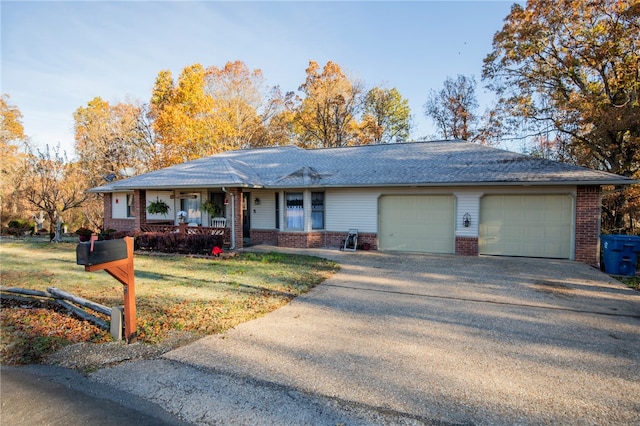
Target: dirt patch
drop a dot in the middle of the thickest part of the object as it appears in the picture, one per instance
(88, 357)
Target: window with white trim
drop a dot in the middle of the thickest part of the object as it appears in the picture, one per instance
(131, 209)
(317, 210)
(294, 210)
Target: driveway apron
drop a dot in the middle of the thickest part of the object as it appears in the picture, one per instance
(480, 340)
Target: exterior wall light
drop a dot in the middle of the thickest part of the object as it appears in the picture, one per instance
(466, 220)
(256, 201)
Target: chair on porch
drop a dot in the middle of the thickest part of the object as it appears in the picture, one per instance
(351, 242)
(218, 222)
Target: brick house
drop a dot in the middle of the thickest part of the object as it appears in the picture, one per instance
(435, 197)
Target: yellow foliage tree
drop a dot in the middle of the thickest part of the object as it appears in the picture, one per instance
(11, 179)
(387, 117)
(109, 138)
(239, 101)
(184, 117)
(327, 116)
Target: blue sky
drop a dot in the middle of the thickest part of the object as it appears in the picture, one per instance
(58, 55)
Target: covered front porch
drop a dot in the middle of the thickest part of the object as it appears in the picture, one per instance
(186, 214)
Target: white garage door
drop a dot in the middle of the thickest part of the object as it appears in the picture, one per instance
(420, 223)
(526, 225)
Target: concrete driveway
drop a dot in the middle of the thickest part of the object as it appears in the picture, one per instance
(418, 339)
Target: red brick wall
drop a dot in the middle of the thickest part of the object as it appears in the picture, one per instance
(334, 239)
(320, 239)
(117, 224)
(261, 236)
(587, 224)
(106, 200)
(140, 206)
(467, 246)
(299, 239)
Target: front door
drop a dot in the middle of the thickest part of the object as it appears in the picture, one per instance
(246, 216)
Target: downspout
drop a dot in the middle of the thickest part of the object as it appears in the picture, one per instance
(233, 217)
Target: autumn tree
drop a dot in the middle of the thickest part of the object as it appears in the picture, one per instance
(52, 184)
(242, 100)
(386, 117)
(110, 138)
(453, 108)
(327, 115)
(12, 139)
(184, 118)
(280, 128)
(571, 68)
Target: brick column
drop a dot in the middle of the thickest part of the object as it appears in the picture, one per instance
(587, 224)
(108, 213)
(140, 206)
(467, 246)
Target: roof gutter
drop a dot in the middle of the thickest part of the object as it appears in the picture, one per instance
(169, 187)
(459, 184)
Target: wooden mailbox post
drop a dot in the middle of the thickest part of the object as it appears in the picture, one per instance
(116, 258)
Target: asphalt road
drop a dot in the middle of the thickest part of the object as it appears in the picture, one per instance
(47, 395)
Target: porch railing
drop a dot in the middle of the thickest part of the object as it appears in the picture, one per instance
(184, 229)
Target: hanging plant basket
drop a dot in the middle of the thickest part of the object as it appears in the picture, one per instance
(212, 208)
(158, 207)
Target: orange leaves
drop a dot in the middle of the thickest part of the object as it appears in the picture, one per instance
(326, 117)
(183, 121)
(109, 138)
(30, 332)
(10, 122)
(207, 111)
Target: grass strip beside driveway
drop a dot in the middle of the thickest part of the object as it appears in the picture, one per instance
(197, 295)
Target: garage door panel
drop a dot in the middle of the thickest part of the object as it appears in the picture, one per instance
(417, 223)
(526, 225)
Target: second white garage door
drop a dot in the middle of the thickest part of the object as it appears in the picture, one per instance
(418, 223)
(526, 225)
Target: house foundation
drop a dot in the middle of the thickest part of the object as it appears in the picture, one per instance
(467, 246)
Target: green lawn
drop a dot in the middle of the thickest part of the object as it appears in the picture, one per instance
(199, 295)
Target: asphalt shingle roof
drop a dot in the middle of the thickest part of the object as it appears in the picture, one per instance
(437, 163)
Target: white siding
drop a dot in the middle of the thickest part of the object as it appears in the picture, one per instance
(119, 205)
(467, 202)
(263, 216)
(166, 197)
(351, 208)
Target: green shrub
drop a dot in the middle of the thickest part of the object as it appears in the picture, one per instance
(21, 223)
(18, 227)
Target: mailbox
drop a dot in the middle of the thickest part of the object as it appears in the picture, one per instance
(103, 252)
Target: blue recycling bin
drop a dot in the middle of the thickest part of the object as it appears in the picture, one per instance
(619, 254)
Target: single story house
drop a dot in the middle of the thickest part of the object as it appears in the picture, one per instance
(449, 197)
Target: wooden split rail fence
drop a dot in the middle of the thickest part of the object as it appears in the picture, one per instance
(63, 299)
